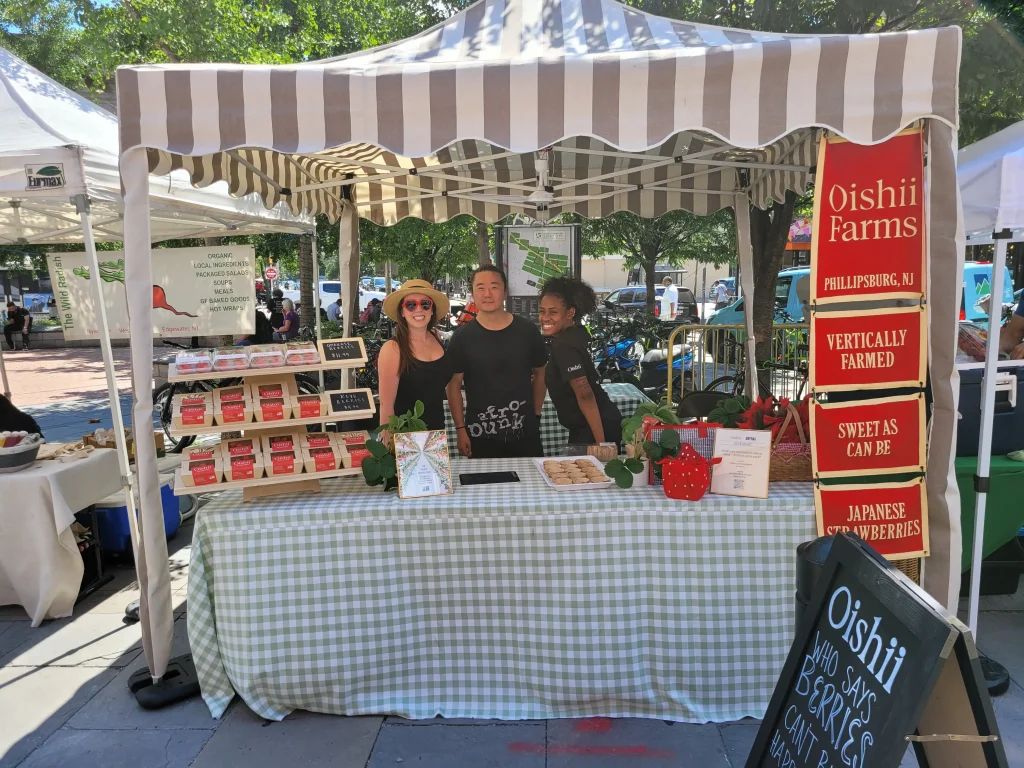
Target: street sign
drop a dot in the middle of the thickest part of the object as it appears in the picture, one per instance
(271, 273)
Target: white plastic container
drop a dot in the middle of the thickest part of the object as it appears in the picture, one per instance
(190, 361)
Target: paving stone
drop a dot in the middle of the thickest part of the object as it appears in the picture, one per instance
(1010, 717)
(738, 739)
(118, 749)
(115, 706)
(34, 703)
(302, 739)
(13, 613)
(602, 742)
(443, 746)
(999, 637)
(909, 759)
(92, 640)
(5, 625)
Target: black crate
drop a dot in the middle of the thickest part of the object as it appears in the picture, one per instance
(1007, 425)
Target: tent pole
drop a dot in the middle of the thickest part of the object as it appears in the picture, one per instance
(746, 269)
(3, 376)
(988, 393)
(82, 205)
(316, 296)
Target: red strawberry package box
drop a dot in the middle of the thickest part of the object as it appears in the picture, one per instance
(202, 472)
(278, 441)
(246, 466)
(281, 463)
(322, 459)
(192, 409)
(231, 405)
(272, 397)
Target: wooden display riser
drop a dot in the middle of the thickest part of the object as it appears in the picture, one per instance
(266, 486)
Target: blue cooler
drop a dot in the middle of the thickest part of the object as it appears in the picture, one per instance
(115, 535)
(1008, 422)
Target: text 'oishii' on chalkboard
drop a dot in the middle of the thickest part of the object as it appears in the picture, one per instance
(351, 401)
(861, 671)
(346, 352)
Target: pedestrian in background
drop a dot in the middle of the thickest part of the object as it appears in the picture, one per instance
(19, 320)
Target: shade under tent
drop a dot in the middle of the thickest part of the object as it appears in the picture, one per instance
(541, 107)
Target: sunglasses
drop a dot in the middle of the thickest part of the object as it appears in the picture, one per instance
(412, 304)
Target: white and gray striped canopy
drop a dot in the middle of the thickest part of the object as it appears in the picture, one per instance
(641, 113)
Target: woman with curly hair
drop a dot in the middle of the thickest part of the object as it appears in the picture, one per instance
(583, 406)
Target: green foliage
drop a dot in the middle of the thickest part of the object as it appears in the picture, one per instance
(622, 471)
(421, 250)
(380, 467)
(631, 426)
(728, 410)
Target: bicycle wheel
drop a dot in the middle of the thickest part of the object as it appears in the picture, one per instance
(729, 385)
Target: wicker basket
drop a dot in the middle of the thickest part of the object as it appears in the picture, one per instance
(791, 462)
(911, 569)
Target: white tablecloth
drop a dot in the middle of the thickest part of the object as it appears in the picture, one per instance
(40, 566)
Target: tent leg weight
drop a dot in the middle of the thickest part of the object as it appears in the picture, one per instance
(180, 682)
(996, 677)
(131, 611)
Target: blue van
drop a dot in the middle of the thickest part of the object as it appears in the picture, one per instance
(792, 292)
(978, 285)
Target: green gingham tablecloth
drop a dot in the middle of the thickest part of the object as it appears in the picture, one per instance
(553, 435)
(505, 601)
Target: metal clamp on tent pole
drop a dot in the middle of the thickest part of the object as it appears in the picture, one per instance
(981, 484)
(1003, 234)
(951, 737)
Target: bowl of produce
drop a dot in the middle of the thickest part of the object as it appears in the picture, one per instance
(18, 450)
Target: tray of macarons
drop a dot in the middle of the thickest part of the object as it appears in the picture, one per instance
(573, 473)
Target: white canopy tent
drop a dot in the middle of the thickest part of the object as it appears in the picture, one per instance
(544, 106)
(991, 177)
(59, 183)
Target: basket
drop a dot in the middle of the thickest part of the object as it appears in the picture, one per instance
(911, 569)
(791, 462)
(700, 436)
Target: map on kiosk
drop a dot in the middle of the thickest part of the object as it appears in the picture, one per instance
(535, 255)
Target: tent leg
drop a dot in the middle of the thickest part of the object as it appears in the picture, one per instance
(3, 377)
(741, 206)
(317, 309)
(995, 674)
(82, 205)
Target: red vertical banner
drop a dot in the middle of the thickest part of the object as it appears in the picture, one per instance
(891, 517)
(868, 436)
(868, 240)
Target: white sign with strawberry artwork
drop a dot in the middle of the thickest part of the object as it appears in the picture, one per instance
(196, 292)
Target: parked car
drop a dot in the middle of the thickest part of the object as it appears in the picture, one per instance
(978, 286)
(792, 292)
(634, 298)
(377, 283)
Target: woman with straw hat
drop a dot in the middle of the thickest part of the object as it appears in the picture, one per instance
(413, 366)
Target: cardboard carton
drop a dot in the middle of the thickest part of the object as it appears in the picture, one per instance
(282, 463)
(309, 440)
(239, 446)
(231, 405)
(352, 439)
(192, 410)
(322, 459)
(202, 472)
(201, 453)
(272, 397)
(280, 440)
(245, 467)
(129, 441)
(355, 458)
(309, 406)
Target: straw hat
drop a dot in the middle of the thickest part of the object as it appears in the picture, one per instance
(393, 302)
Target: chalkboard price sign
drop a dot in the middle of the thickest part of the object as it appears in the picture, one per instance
(349, 351)
(351, 401)
(860, 675)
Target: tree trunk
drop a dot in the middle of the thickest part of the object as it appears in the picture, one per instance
(307, 316)
(650, 266)
(483, 244)
(769, 231)
(212, 242)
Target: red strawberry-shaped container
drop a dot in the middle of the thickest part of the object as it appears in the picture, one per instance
(687, 476)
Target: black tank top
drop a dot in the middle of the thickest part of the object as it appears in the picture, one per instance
(425, 381)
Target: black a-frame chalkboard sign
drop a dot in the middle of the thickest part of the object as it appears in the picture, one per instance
(876, 664)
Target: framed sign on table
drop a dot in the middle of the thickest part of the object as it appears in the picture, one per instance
(424, 467)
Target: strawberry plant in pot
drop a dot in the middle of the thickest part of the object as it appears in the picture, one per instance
(381, 467)
(622, 471)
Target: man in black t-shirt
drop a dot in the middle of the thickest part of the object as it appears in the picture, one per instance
(18, 321)
(501, 358)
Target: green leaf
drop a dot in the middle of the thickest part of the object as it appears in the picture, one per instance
(377, 449)
(614, 467)
(669, 440)
(417, 425)
(388, 467)
(624, 480)
(635, 466)
(654, 451)
(371, 470)
(733, 406)
(630, 427)
(417, 410)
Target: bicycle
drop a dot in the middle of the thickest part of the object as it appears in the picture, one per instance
(733, 384)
